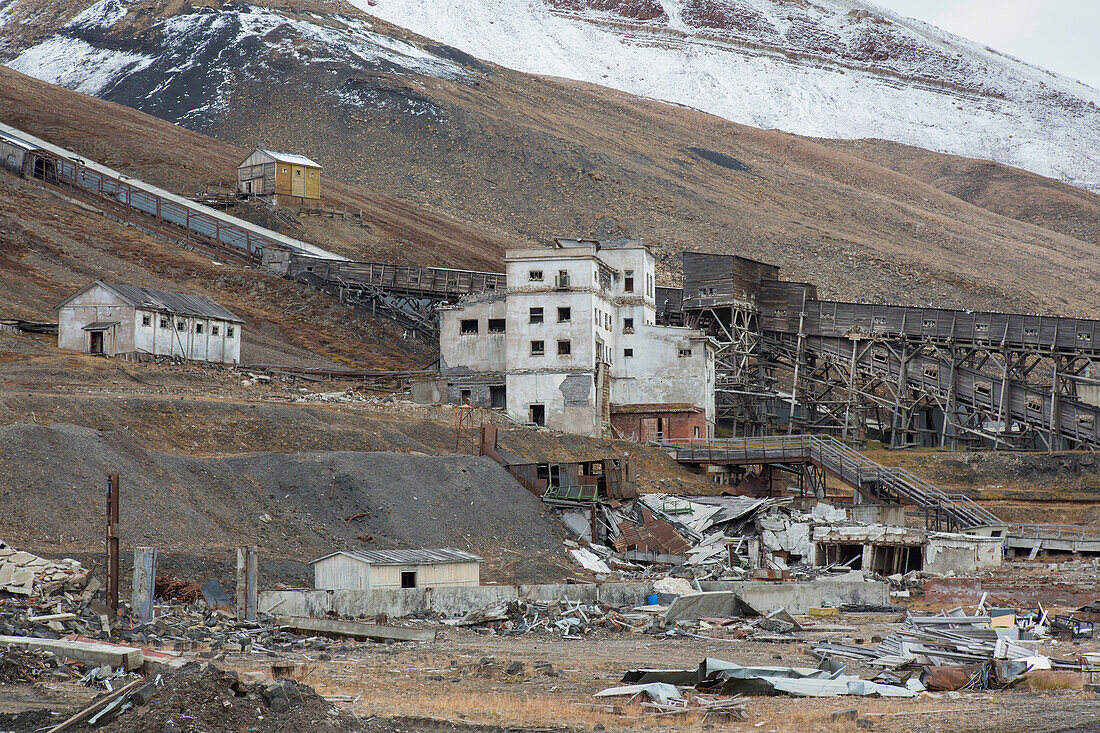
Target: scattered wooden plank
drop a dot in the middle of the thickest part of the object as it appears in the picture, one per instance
(95, 707)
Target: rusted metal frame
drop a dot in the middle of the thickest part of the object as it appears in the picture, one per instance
(112, 542)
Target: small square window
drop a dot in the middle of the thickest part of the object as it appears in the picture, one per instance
(198, 328)
(684, 353)
(164, 323)
(534, 275)
(468, 326)
(146, 320)
(181, 325)
(497, 325)
(628, 353)
(229, 332)
(628, 325)
(214, 330)
(538, 348)
(565, 348)
(565, 315)
(536, 315)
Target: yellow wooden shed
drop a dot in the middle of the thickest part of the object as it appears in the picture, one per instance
(286, 177)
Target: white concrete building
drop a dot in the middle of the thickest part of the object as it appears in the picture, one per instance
(126, 320)
(573, 344)
(376, 569)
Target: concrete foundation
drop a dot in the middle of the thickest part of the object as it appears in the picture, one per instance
(765, 597)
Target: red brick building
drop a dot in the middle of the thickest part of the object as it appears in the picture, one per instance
(675, 421)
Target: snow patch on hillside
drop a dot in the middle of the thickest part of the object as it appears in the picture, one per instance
(834, 68)
(77, 65)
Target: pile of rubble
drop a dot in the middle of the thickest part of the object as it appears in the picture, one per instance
(570, 619)
(27, 665)
(954, 650)
(24, 574)
(199, 697)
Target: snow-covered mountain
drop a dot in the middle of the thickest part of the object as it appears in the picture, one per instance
(183, 63)
(826, 68)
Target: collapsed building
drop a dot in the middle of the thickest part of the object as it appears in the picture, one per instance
(573, 344)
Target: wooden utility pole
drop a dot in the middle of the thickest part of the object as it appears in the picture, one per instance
(112, 542)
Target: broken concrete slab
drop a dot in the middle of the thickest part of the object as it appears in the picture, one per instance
(92, 653)
(355, 629)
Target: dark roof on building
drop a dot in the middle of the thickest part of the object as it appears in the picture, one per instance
(406, 557)
(162, 301)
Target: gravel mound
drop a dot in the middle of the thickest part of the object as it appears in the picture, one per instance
(294, 506)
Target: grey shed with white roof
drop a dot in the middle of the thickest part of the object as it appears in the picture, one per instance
(377, 569)
(113, 319)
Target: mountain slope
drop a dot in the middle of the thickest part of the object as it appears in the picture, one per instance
(481, 157)
(829, 68)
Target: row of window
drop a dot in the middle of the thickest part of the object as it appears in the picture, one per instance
(562, 280)
(497, 325)
(147, 320)
(565, 348)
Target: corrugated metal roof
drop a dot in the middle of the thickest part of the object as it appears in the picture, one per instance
(292, 158)
(175, 303)
(406, 557)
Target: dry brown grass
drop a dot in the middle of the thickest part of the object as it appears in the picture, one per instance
(1046, 680)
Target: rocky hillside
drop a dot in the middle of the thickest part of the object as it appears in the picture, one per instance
(452, 159)
(830, 68)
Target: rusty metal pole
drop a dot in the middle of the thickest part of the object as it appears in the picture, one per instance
(112, 542)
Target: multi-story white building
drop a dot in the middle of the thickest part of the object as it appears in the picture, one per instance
(573, 344)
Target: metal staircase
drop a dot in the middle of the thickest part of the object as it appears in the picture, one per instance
(869, 478)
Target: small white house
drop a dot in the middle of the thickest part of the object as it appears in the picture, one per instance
(374, 569)
(126, 320)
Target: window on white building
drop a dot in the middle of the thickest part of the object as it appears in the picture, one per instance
(628, 281)
(214, 330)
(538, 414)
(468, 326)
(565, 348)
(534, 275)
(538, 348)
(198, 328)
(565, 315)
(536, 315)
(164, 323)
(146, 320)
(229, 332)
(684, 353)
(497, 325)
(628, 325)
(628, 353)
(181, 325)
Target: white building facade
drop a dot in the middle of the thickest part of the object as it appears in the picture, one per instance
(125, 320)
(574, 341)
